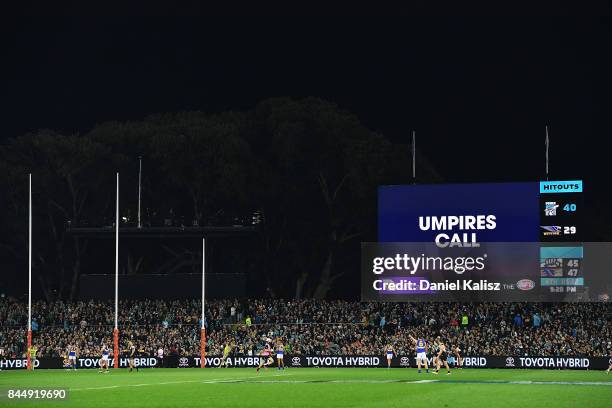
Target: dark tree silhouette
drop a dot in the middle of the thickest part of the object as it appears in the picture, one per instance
(312, 168)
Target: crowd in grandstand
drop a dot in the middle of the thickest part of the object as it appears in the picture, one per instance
(312, 327)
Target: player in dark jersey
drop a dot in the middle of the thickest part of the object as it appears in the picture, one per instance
(609, 353)
(2, 356)
(266, 358)
(442, 358)
(435, 348)
(132, 354)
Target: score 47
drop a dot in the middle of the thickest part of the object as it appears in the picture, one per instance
(573, 267)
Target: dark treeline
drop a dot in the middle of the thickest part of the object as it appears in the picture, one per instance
(311, 167)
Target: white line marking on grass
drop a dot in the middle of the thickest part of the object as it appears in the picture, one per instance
(223, 380)
(264, 381)
(211, 381)
(259, 380)
(132, 385)
(240, 379)
(559, 383)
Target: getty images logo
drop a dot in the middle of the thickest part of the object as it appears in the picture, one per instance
(573, 186)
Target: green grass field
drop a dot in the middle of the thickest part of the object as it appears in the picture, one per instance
(316, 387)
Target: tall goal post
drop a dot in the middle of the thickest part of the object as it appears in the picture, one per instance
(116, 329)
(29, 340)
(203, 326)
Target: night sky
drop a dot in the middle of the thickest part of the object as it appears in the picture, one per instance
(478, 91)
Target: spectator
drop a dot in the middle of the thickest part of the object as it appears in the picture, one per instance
(309, 326)
(537, 321)
(518, 320)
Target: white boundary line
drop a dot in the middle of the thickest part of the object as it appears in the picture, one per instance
(211, 381)
(398, 381)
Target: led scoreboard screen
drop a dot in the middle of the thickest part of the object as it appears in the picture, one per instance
(560, 208)
(483, 242)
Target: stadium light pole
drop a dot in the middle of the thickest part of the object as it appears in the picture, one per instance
(116, 330)
(414, 156)
(547, 142)
(203, 328)
(29, 366)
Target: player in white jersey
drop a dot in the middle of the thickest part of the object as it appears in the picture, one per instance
(390, 352)
(160, 357)
(280, 354)
(72, 354)
(421, 353)
(104, 359)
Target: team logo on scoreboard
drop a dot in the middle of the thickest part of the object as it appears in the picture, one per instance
(525, 284)
(550, 208)
(551, 262)
(551, 272)
(551, 230)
